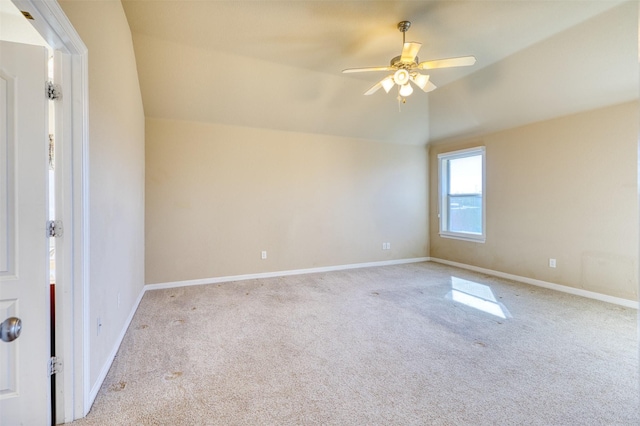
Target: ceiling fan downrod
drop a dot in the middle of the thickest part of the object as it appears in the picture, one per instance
(403, 27)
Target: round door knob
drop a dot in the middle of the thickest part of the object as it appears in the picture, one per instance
(10, 329)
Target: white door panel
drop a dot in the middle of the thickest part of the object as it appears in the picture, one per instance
(24, 290)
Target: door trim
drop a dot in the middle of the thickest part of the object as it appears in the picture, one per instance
(72, 194)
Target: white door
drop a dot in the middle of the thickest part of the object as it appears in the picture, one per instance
(24, 290)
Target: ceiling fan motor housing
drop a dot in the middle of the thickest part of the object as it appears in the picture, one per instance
(397, 62)
(403, 26)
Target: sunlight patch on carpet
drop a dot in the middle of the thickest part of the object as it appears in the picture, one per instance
(477, 296)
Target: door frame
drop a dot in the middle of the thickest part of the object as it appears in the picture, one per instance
(72, 206)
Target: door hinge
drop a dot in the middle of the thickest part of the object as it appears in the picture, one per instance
(55, 365)
(54, 228)
(54, 91)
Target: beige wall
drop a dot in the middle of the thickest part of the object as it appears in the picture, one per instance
(218, 195)
(116, 172)
(564, 188)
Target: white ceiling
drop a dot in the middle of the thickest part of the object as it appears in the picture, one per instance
(277, 64)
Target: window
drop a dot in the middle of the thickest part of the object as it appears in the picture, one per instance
(461, 204)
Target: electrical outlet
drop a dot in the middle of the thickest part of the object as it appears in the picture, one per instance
(552, 263)
(388, 246)
(264, 254)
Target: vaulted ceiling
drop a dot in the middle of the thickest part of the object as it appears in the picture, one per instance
(277, 64)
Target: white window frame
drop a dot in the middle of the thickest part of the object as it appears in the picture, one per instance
(443, 194)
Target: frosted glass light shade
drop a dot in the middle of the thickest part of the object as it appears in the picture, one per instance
(421, 80)
(406, 90)
(401, 77)
(387, 83)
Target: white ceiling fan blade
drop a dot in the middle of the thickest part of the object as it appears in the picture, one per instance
(350, 70)
(430, 87)
(462, 61)
(373, 88)
(409, 51)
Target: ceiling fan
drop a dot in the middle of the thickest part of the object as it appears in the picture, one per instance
(405, 68)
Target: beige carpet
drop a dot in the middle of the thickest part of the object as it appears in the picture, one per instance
(393, 345)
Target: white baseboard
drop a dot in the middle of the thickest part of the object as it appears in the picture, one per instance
(230, 278)
(539, 283)
(107, 364)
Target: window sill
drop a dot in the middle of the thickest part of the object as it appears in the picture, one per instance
(464, 237)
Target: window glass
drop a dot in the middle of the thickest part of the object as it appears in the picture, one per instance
(462, 194)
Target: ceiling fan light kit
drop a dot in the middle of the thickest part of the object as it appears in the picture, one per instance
(405, 68)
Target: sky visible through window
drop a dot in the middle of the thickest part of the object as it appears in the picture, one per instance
(465, 175)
